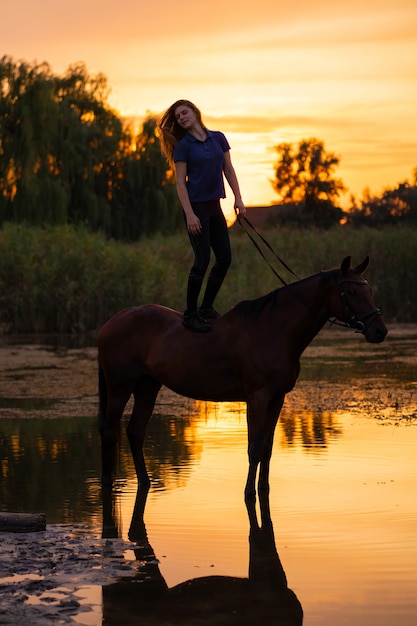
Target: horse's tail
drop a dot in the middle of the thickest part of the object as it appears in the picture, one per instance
(109, 433)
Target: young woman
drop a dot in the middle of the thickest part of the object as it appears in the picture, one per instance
(199, 158)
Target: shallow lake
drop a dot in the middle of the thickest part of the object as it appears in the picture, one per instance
(343, 477)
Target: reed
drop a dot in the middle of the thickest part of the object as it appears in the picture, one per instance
(67, 280)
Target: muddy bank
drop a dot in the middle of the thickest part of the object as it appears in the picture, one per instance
(53, 380)
(42, 574)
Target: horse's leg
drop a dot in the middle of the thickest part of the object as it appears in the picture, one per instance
(137, 530)
(262, 414)
(110, 433)
(274, 409)
(145, 394)
(256, 415)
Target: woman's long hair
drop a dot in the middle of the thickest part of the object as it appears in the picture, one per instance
(171, 132)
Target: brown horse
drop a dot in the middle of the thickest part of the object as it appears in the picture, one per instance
(252, 354)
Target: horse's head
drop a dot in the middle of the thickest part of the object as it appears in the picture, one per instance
(354, 303)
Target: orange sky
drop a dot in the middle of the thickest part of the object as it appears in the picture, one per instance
(262, 72)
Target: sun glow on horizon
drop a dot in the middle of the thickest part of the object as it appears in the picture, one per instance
(344, 73)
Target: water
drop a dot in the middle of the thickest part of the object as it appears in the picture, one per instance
(343, 476)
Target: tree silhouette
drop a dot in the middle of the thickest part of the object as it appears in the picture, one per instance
(304, 178)
(66, 156)
(144, 197)
(394, 206)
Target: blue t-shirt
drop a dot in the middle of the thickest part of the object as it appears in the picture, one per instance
(204, 165)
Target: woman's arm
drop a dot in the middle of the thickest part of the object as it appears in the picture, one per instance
(230, 174)
(193, 223)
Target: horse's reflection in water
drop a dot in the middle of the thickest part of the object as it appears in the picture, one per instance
(263, 597)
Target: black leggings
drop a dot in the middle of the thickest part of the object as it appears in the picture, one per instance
(214, 235)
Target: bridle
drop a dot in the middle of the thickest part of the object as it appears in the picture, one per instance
(356, 322)
(359, 324)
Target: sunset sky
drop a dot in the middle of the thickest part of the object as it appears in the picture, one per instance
(263, 72)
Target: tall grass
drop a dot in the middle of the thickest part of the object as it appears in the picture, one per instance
(65, 279)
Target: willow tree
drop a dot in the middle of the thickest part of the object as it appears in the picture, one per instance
(144, 198)
(58, 137)
(66, 156)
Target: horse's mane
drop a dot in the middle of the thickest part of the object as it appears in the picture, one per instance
(254, 308)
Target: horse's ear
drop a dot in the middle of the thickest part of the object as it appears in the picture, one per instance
(345, 266)
(359, 269)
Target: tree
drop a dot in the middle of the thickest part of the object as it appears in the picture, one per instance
(144, 197)
(394, 206)
(304, 178)
(66, 156)
(58, 140)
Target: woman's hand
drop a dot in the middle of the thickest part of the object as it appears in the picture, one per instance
(239, 207)
(193, 224)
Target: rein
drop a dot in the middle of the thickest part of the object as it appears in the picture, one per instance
(355, 322)
(241, 220)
